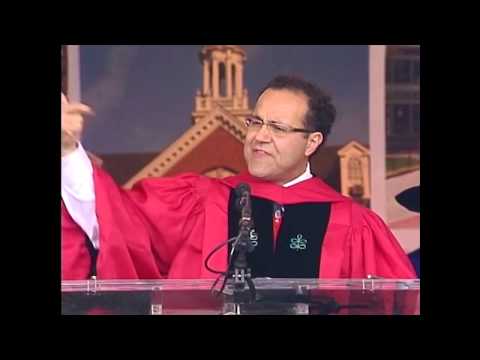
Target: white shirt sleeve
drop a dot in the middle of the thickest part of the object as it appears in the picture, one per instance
(78, 192)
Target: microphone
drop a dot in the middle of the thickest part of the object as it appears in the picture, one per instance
(238, 273)
(241, 272)
(244, 204)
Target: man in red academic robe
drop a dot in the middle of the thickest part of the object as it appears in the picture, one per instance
(167, 227)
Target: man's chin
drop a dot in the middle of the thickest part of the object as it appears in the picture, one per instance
(262, 174)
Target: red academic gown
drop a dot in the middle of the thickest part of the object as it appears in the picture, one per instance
(166, 227)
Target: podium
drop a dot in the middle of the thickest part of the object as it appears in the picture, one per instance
(273, 297)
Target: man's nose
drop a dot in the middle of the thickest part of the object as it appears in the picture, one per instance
(263, 134)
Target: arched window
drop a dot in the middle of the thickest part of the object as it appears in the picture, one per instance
(234, 80)
(222, 78)
(210, 72)
(355, 175)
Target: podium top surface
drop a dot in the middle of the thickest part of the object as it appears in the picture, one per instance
(93, 285)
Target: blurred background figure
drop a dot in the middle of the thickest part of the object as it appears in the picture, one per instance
(410, 199)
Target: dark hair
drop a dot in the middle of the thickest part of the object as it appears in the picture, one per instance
(321, 112)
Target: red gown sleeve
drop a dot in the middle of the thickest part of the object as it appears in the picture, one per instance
(374, 250)
(142, 229)
(75, 258)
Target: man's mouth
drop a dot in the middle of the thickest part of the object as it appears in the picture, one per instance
(260, 152)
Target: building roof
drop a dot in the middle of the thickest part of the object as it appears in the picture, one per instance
(123, 166)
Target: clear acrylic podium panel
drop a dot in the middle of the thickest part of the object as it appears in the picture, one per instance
(273, 296)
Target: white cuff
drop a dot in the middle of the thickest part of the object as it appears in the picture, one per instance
(78, 192)
(77, 175)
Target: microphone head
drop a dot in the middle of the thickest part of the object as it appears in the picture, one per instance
(242, 191)
(242, 188)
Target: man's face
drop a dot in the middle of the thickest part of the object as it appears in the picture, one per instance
(273, 157)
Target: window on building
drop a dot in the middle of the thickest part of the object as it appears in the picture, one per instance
(401, 119)
(355, 175)
(416, 118)
(234, 80)
(389, 119)
(389, 71)
(211, 78)
(416, 72)
(223, 81)
(402, 71)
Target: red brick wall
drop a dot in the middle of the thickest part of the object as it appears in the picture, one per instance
(220, 149)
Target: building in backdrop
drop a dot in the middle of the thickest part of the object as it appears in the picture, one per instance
(402, 117)
(213, 145)
(403, 98)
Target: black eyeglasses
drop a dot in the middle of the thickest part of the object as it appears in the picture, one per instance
(278, 129)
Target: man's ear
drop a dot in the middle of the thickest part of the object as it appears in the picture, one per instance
(313, 142)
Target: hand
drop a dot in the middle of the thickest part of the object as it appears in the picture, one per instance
(72, 124)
